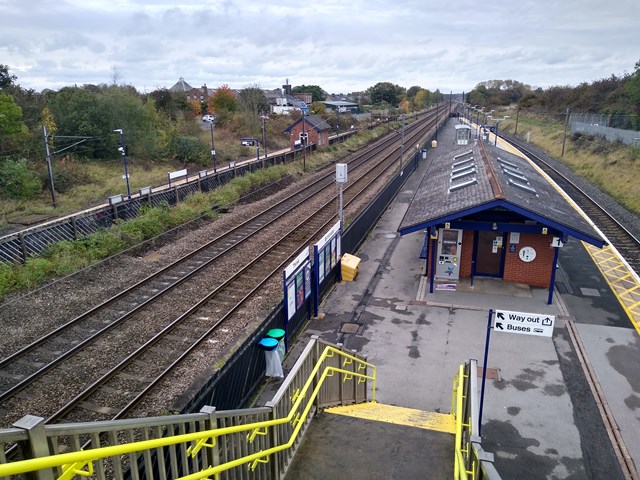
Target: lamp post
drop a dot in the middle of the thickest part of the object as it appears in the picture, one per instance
(264, 133)
(213, 148)
(304, 144)
(124, 156)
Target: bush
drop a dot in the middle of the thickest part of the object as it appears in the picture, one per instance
(18, 180)
(189, 149)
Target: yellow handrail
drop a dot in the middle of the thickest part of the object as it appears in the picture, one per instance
(77, 460)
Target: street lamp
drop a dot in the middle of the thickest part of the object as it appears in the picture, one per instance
(124, 156)
(213, 148)
(264, 133)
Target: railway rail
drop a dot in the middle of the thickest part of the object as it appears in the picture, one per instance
(103, 387)
(621, 237)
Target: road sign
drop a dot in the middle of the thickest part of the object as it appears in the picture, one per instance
(524, 323)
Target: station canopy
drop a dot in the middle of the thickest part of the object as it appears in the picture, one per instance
(482, 187)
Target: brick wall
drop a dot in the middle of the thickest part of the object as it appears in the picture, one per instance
(537, 272)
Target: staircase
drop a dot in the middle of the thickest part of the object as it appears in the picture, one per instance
(376, 441)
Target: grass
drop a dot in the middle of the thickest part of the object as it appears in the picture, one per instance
(613, 167)
(67, 257)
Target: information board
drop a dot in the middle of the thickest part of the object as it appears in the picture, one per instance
(326, 255)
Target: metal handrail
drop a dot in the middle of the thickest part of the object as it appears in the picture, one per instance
(74, 463)
(470, 459)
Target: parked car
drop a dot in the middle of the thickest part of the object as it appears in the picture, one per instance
(208, 118)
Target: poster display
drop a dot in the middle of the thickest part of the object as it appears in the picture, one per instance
(296, 286)
(326, 256)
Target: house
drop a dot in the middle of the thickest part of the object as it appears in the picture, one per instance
(197, 94)
(315, 129)
(284, 103)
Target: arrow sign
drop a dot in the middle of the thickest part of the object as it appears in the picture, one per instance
(524, 323)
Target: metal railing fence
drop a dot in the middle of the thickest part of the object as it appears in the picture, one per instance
(470, 459)
(194, 446)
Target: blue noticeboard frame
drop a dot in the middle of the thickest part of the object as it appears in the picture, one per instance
(296, 282)
(326, 255)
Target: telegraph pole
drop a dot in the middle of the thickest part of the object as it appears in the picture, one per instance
(48, 159)
(564, 137)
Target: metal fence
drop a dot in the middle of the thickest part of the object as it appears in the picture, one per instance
(595, 124)
(19, 246)
(144, 448)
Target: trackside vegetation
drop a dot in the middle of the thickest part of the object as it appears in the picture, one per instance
(67, 257)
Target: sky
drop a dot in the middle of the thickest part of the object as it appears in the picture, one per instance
(342, 46)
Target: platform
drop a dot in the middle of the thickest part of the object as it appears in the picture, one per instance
(540, 419)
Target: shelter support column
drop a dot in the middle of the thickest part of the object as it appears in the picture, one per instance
(553, 274)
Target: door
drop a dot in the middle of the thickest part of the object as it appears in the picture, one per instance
(489, 254)
(449, 248)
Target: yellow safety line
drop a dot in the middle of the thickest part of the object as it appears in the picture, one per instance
(625, 286)
(410, 417)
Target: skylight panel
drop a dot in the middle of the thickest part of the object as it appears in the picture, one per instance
(511, 173)
(509, 164)
(462, 154)
(462, 162)
(523, 186)
(463, 173)
(459, 186)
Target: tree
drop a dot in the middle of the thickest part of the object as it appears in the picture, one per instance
(171, 103)
(6, 79)
(317, 93)
(422, 99)
(386, 92)
(253, 102)
(223, 100)
(11, 124)
(317, 108)
(413, 91)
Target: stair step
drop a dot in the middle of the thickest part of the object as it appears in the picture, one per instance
(439, 422)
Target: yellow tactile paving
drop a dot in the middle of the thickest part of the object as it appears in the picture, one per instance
(439, 422)
(623, 282)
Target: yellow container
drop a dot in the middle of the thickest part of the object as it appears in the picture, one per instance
(434, 143)
(349, 267)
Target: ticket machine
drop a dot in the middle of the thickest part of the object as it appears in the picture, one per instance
(448, 254)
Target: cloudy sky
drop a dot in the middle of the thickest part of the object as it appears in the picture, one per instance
(340, 45)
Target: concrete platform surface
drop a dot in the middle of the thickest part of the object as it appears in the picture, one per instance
(540, 419)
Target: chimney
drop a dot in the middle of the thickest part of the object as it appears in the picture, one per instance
(205, 91)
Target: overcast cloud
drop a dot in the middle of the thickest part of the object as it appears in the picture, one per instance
(342, 46)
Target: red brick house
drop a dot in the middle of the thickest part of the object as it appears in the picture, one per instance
(317, 131)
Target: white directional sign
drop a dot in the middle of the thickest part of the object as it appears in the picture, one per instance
(524, 323)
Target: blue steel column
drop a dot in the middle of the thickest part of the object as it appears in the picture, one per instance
(484, 370)
(553, 275)
(433, 264)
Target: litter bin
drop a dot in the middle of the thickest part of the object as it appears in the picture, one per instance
(278, 334)
(271, 357)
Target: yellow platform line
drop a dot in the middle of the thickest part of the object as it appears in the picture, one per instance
(379, 412)
(623, 283)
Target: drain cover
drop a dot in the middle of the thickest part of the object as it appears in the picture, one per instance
(492, 373)
(350, 327)
(590, 292)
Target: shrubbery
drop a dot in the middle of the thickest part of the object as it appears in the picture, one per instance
(19, 180)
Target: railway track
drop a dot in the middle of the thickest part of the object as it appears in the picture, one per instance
(110, 387)
(625, 241)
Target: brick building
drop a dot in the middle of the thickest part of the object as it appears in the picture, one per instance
(317, 131)
(486, 212)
